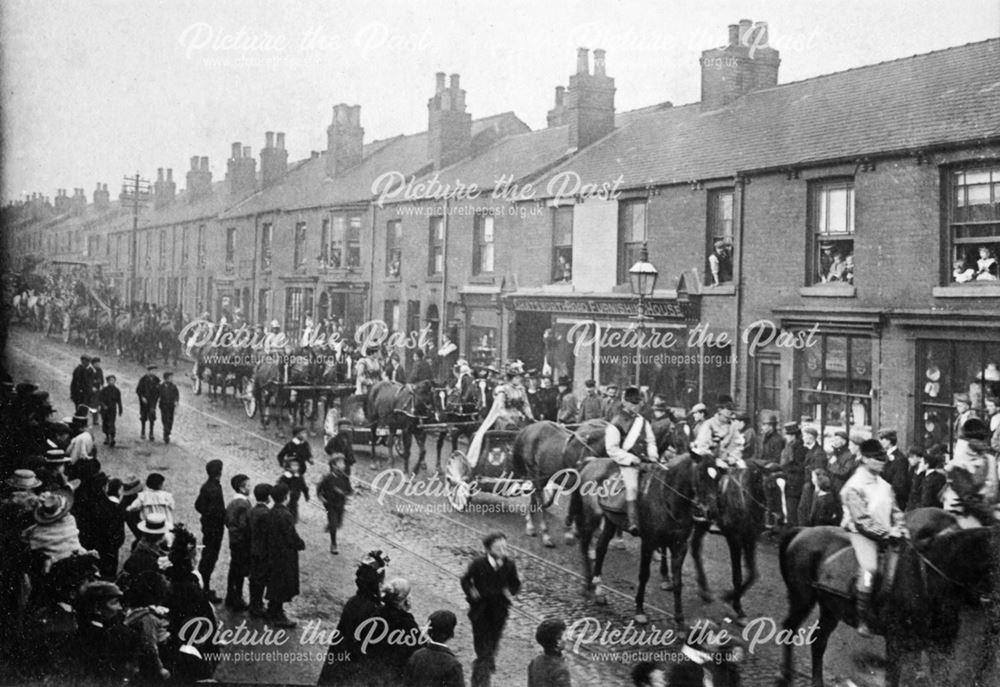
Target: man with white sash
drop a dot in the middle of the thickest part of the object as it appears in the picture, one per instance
(627, 437)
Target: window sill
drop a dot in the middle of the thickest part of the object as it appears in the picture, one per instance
(829, 290)
(983, 290)
(482, 278)
(434, 278)
(720, 290)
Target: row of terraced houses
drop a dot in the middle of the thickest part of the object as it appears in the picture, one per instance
(823, 246)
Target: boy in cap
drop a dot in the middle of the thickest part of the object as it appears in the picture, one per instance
(963, 411)
(297, 448)
(148, 391)
(212, 507)
(897, 468)
(79, 386)
(628, 439)
(871, 518)
(549, 669)
(332, 491)
(238, 524)
(169, 398)
(590, 406)
(434, 664)
(257, 531)
(567, 402)
(110, 401)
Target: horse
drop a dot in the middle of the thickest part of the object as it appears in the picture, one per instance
(939, 567)
(167, 341)
(399, 407)
(740, 505)
(665, 506)
(266, 382)
(544, 450)
(449, 409)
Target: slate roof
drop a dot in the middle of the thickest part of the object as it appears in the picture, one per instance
(944, 97)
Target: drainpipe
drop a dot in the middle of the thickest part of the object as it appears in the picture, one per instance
(371, 269)
(443, 312)
(740, 183)
(253, 269)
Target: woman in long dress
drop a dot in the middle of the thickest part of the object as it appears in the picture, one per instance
(510, 409)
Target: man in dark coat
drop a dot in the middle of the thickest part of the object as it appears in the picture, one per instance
(591, 406)
(842, 461)
(663, 425)
(110, 533)
(169, 398)
(110, 401)
(567, 402)
(212, 507)
(897, 467)
(420, 369)
(341, 443)
(79, 386)
(332, 491)
(257, 529)
(793, 463)
(148, 391)
(490, 584)
(238, 524)
(283, 546)
(815, 460)
(434, 664)
(296, 449)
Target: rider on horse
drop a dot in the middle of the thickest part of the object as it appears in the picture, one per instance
(715, 438)
(628, 437)
(510, 409)
(972, 491)
(871, 518)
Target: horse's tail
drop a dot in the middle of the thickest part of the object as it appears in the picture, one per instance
(786, 540)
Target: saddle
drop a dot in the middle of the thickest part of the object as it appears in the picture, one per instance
(611, 488)
(838, 573)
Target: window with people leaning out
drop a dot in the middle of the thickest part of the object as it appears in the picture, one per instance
(833, 381)
(974, 223)
(956, 380)
(562, 245)
(719, 269)
(832, 233)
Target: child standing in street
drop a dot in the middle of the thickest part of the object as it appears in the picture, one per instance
(297, 487)
(332, 491)
(110, 401)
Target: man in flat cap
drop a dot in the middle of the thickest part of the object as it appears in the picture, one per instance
(793, 463)
(590, 406)
(963, 412)
(148, 391)
(628, 439)
(79, 386)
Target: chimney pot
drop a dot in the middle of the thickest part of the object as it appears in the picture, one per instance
(745, 25)
(170, 174)
(454, 82)
(560, 94)
(105, 188)
(582, 61)
(204, 164)
(247, 151)
(159, 174)
(734, 34)
(194, 162)
(236, 150)
(269, 139)
(599, 62)
(281, 140)
(439, 82)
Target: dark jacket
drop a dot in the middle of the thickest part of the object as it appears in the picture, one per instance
(333, 489)
(341, 443)
(793, 462)
(433, 665)
(300, 452)
(826, 510)
(490, 583)
(897, 473)
(393, 655)
(548, 671)
(283, 546)
(590, 408)
(771, 447)
(257, 521)
(211, 506)
(238, 522)
(663, 430)
(110, 398)
(110, 534)
(148, 389)
(420, 372)
(79, 386)
(132, 518)
(144, 558)
(841, 468)
(169, 395)
(930, 489)
(358, 609)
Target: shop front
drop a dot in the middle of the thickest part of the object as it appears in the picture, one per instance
(481, 335)
(598, 337)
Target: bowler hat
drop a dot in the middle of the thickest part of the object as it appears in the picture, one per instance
(99, 590)
(152, 366)
(842, 434)
(791, 428)
(770, 419)
(153, 523)
(660, 404)
(810, 430)
(870, 448)
(53, 506)
(563, 381)
(963, 398)
(25, 388)
(632, 395)
(974, 429)
(590, 383)
(725, 402)
(23, 480)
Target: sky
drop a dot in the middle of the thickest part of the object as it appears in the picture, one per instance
(100, 89)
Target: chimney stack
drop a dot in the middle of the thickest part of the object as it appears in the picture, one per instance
(746, 63)
(164, 188)
(449, 126)
(199, 179)
(557, 115)
(589, 102)
(273, 159)
(102, 199)
(345, 138)
(62, 201)
(241, 171)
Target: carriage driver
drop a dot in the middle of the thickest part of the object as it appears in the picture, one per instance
(628, 437)
(871, 518)
(368, 372)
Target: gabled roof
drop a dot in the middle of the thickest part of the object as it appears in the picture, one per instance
(307, 185)
(945, 97)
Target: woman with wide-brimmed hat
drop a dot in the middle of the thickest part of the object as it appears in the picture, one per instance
(54, 535)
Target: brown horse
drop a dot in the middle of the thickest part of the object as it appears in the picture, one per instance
(546, 451)
(665, 505)
(399, 408)
(939, 568)
(739, 503)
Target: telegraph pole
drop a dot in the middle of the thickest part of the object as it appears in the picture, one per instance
(137, 190)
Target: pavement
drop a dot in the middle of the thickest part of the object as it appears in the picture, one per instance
(431, 545)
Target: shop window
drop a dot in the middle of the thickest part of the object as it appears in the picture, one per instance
(230, 250)
(834, 383)
(719, 269)
(299, 248)
(562, 245)
(482, 346)
(435, 246)
(483, 244)
(393, 248)
(293, 312)
(265, 247)
(832, 254)
(948, 368)
(974, 224)
(631, 235)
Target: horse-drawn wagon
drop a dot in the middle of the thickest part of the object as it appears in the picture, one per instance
(494, 471)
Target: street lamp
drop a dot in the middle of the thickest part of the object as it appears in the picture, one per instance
(642, 278)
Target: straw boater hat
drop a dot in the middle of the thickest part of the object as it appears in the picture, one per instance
(82, 414)
(53, 506)
(154, 523)
(55, 456)
(131, 485)
(23, 480)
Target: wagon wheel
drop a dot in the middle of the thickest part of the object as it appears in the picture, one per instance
(249, 402)
(459, 489)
